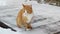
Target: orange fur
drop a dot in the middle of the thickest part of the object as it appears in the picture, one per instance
(22, 21)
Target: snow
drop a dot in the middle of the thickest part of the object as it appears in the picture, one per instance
(41, 11)
(7, 31)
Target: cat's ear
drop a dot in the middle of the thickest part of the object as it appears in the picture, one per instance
(23, 5)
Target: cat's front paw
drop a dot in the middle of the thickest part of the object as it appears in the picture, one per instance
(28, 28)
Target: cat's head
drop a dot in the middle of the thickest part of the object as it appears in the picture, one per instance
(28, 8)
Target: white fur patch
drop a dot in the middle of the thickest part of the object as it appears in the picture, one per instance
(29, 16)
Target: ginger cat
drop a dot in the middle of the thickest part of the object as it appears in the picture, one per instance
(24, 17)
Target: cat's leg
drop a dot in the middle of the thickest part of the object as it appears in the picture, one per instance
(27, 25)
(18, 22)
(19, 25)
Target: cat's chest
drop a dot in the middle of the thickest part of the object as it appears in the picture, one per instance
(29, 16)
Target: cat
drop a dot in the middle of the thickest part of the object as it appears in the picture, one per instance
(24, 17)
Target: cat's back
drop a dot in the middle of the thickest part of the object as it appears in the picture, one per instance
(21, 12)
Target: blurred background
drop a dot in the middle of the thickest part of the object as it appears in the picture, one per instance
(51, 2)
(9, 4)
(14, 3)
